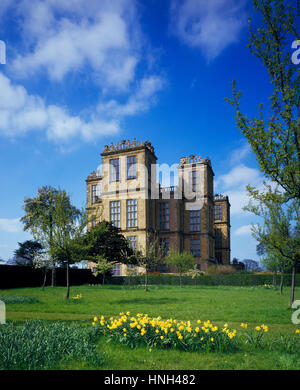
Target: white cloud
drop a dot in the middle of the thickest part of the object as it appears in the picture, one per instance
(240, 153)
(103, 41)
(66, 36)
(234, 185)
(138, 102)
(10, 225)
(239, 176)
(210, 25)
(21, 112)
(243, 230)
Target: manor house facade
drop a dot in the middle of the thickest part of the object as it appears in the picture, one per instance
(186, 217)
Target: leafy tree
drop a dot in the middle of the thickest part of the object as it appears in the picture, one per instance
(194, 273)
(151, 256)
(28, 250)
(103, 267)
(39, 220)
(41, 261)
(260, 249)
(106, 240)
(278, 231)
(182, 261)
(69, 229)
(275, 140)
(130, 271)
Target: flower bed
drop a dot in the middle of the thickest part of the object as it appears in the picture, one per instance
(171, 333)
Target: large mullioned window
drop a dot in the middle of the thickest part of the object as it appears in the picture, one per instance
(131, 167)
(116, 269)
(115, 213)
(195, 247)
(164, 215)
(95, 193)
(114, 170)
(131, 213)
(132, 241)
(194, 181)
(218, 211)
(194, 220)
(218, 234)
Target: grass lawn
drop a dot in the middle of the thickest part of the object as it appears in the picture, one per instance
(234, 305)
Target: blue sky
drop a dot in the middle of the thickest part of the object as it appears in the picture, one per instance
(80, 74)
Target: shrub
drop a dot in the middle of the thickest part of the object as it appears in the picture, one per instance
(9, 299)
(226, 270)
(220, 270)
(212, 270)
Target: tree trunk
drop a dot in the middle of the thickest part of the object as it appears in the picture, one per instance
(293, 285)
(274, 279)
(103, 277)
(281, 282)
(45, 278)
(53, 277)
(146, 280)
(68, 281)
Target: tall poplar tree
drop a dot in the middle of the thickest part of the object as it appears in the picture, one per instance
(39, 220)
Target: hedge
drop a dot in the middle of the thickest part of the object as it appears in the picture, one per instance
(237, 279)
(19, 276)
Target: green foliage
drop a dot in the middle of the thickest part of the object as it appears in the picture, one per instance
(150, 256)
(279, 232)
(182, 261)
(39, 215)
(276, 140)
(103, 265)
(28, 250)
(236, 279)
(41, 345)
(106, 240)
(11, 299)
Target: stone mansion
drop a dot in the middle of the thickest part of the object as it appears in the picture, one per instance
(187, 216)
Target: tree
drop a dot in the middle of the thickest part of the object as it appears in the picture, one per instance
(183, 262)
(194, 273)
(151, 256)
(39, 220)
(260, 249)
(69, 229)
(276, 140)
(103, 266)
(106, 240)
(278, 232)
(41, 261)
(28, 250)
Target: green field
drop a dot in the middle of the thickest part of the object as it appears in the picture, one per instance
(234, 305)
